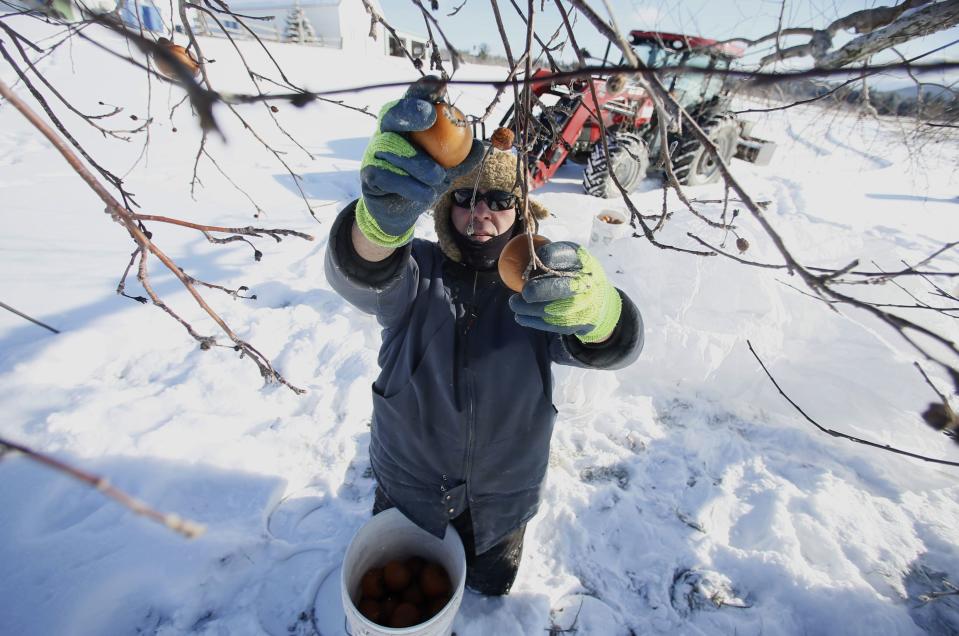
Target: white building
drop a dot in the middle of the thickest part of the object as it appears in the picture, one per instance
(342, 24)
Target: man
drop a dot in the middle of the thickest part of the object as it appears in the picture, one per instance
(462, 409)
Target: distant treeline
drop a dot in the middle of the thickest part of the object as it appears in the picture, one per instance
(932, 101)
(483, 56)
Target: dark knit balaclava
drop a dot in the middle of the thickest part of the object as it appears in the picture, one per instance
(484, 255)
(496, 172)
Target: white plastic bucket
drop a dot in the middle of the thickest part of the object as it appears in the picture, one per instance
(603, 232)
(390, 535)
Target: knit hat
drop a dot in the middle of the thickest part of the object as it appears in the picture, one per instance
(497, 172)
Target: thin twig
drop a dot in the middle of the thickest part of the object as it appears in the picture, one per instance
(26, 317)
(454, 54)
(931, 385)
(833, 90)
(189, 529)
(247, 231)
(375, 18)
(829, 431)
(114, 180)
(89, 119)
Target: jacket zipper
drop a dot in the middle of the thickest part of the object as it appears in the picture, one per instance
(468, 372)
(469, 439)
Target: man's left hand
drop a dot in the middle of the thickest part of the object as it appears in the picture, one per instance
(579, 301)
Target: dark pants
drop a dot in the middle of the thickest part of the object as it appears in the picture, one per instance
(491, 573)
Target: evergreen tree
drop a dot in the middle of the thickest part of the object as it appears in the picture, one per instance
(298, 27)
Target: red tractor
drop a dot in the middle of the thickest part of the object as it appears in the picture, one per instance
(565, 124)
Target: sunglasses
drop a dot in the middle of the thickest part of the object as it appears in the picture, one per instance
(496, 200)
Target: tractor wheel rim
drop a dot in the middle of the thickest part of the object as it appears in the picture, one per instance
(707, 164)
(623, 172)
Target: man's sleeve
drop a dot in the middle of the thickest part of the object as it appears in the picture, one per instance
(620, 350)
(385, 288)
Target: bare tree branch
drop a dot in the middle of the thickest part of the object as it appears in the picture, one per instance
(127, 220)
(935, 16)
(879, 27)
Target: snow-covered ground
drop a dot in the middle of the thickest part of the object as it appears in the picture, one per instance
(684, 472)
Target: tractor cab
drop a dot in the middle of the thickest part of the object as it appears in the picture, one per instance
(658, 49)
(667, 50)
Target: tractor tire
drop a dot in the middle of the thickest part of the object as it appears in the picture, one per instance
(692, 165)
(628, 160)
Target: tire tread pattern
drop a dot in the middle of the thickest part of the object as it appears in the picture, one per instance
(622, 147)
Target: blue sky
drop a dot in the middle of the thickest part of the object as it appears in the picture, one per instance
(474, 24)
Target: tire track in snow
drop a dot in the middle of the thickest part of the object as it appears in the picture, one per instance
(791, 201)
(877, 161)
(19, 146)
(819, 151)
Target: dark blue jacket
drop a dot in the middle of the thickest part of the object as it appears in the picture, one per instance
(462, 408)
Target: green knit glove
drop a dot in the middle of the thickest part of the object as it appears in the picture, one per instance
(582, 303)
(398, 180)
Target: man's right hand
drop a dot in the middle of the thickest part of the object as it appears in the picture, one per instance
(398, 180)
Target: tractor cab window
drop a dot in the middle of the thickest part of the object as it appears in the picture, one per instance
(687, 88)
(693, 88)
(660, 56)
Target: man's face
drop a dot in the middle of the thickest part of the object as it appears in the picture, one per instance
(486, 223)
